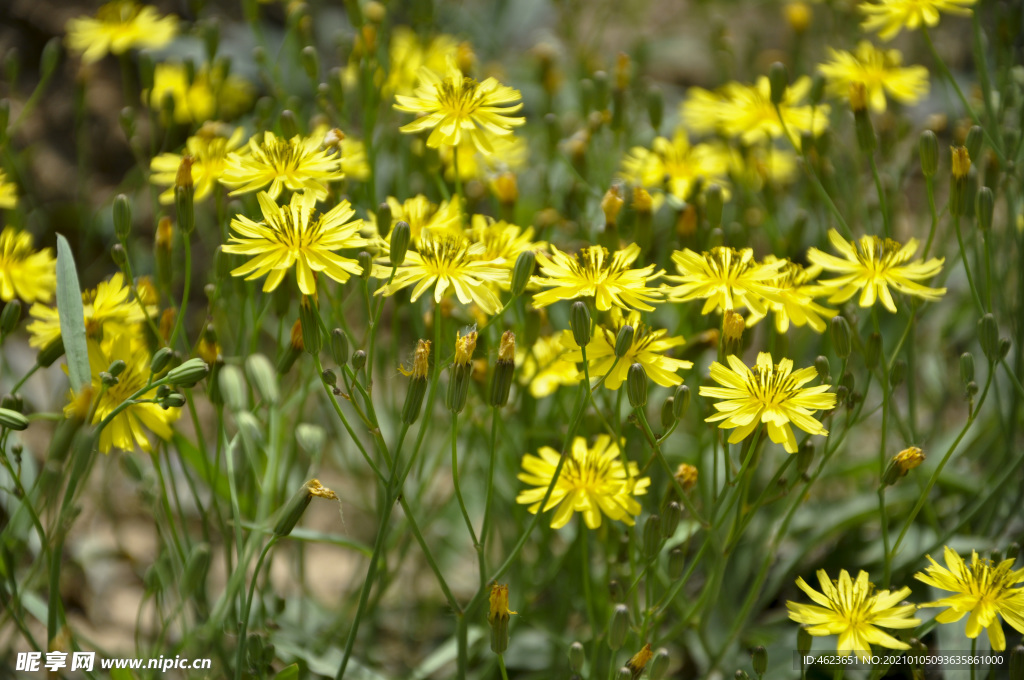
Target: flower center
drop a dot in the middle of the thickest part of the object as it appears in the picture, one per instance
(459, 97)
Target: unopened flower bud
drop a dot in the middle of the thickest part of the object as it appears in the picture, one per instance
(173, 400)
(504, 369)
(262, 377)
(652, 537)
(928, 147)
(232, 387)
(804, 457)
(10, 317)
(400, 236)
(292, 512)
(122, 217)
(778, 79)
(667, 418)
(184, 195)
(497, 618)
(822, 367)
(676, 563)
(418, 384)
(311, 63)
(522, 271)
(161, 358)
(460, 372)
(188, 373)
(902, 463)
(984, 207)
(733, 326)
(116, 367)
(358, 359)
(961, 167)
(670, 518)
(623, 674)
(988, 336)
(53, 351)
(618, 627)
(759, 660)
(713, 202)
(636, 386)
(898, 373)
(579, 321)
(309, 319)
(383, 216)
(611, 204)
(624, 340)
(1004, 347)
(741, 675)
(966, 367)
(973, 144)
(577, 657)
(339, 346)
(12, 420)
(841, 333)
(680, 402)
(655, 107)
(329, 377)
(873, 351)
(686, 475)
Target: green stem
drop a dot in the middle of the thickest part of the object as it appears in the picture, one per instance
(882, 202)
(501, 665)
(244, 624)
(967, 267)
(493, 447)
(183, 308)
(458, 488)
(884, 517)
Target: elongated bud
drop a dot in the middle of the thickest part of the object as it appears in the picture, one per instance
(161, 358)
(733, 326)
(676, 563)
(975, 139)
(117, 367)
(623, 674)
(418, 384)
(497, 618)
(12, 420)
(966, 367)
(624, 341)
(50, 353)
(840, 329)
(311, 64)
(400, 236)
(655, 107)
(898, 373)
(928, 147)
(232, 387)
(49, 58)
(822, 367)
(713, 202)
(804, 457)
(383, 216)
(618, 627)
(873, 351)
(577, 657)
(778, 79)
(961, 167)
(902, 463)
(988, 335)
(522, 271)
(290, 352)
(818, 84)
(861, 120)
(636, 386)
(659, 665)
(638, 662)
(652, 537)
(984, 207)
(122, 217)
(188, 373)
(612, 204)
(579, 321)
(339, 346)
(759, 660)
(10, 317)
(163, 246)
(292, 512)
(461, 371)
(309, 318)
(263, 378)
(667, 418)
(680, 402)
(358, 359)
(670, 518)
(184, 195)
(504, 369)
(195, 569)
(172, 400)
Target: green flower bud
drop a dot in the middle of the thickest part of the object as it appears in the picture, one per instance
(122, 217)
(623, 341)
(966, 367)
(1004, 347)
(458, 386)
(289, 125)
(1012, 551)
(107, 379)
(984, 206)
(615, 593)
(618, 627)
(577, 657)
(309, 318)
(841, 336)
(12, 420)
(817, 93)
(713, 202)
(822, 367)
(173, 400)
(213, 382)
(222, 263)
(48, 61)
(803, 640)
(418, 384)
(759, 660)
(311, 64)
(988, 335)
(652, 537)
(504, 368)
(10, 317)
(400, 236)
(262, 377)
(975, 139)
(741, 675)
(971, 389)
(365, 261)
(623, 674)
(636, 386)
(898, 373)
(658, 667)
(655, 107)
(189, 373)
(779, 81)
(358, 359)
(310, 438)
(873, 351)
(676, 563)
(232, 387)
(116, 367)
(195, 569)
(680, 402)
(522, 271)
(928, 146)
(667, 417)
(184, 197)
(671, 516)
(292, 512)
(118, 255)
(12, 402)
(579, 322)
(601, 90)
(339, 346)
(161, 359)
(804, 457)
(383, 219)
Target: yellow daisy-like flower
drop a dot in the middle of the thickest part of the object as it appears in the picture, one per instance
(407, 55)
(461, 110)
(889, 17)
(295, 235)
(648, 349)
(592, 481)
(871, 265)
(767, 393)
(592, 273)
(510, 153)
(25, 273)
(110, 310)
(879, 71)
(545, 366)
(8, 193)
(118, 27)
(209, 149)
(209, 93)
(796, 290)
(298, 164)
(501, 241)
(673, 164)
(448, 261)
(725, 278)
(982, 589)
(421, 215)
(853, 611)
(128, 428)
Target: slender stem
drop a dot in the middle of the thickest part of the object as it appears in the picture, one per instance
(884, 517)
(458, 488)
(967, 267)
(183, 308)
(501, 665)
(244, 624)
(490, 487)
(883, 204)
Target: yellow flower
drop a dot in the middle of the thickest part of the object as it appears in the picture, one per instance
(982, 589)
(8, 193)
(879, 71)
(209, 93)
(110, 310)
(25, 274)
(647, 349)
(767, 393)
(592, 481)
(545, 367)
(889, 17)
(501, 241)
(796, 290)
(128, 428)
(421, 215)
(459, 109)
(498, 602)
(673, 164)
(851, 610)
(871, 265)
(446, 261)
(509, 153)
(118, 27)
(406, 55)
(592, 273)
(296, 235)
(209, 149)
(725, 278)
(298, 164)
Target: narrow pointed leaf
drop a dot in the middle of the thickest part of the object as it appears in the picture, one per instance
(72, 316)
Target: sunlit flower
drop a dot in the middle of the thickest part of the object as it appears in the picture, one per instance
(208, 149)
(128, 428)
(889, 17)
(592, 481)
(501, 241)
(421, 215)
(796, 289)
(545, 366)
(870, 265)
(296, 235)
(648, 349)
(879, 71)
(725, 278)
(8, 193)
(25, 273)
(983, 590)
(406, 55)
(853, 611)
(593, 273)
(118, 27)
(509, 153)
(674, 164)
(767, 393)
(459, 109)
(110, 310)
(448, 261)
(298, 164)
(210, 93)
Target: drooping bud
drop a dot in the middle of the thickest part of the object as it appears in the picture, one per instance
(579, 321)
(53, 351)
(497, 618)
(504, 369)
(400, 236)
(902, 463)
(928, 147)
(418, 384)
(666, 413)
(292, 512)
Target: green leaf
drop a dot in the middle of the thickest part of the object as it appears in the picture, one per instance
(288, 672)
(72, 317)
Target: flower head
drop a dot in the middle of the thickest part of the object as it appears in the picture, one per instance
(725, 278)
(208, 93)
(407, 55)
(8, 193)
(983, 590)
(796, 289)
(298, 164)
(449, 261)
(110, 310)
(296, 235)
(851, 610)
(209, 149)
(501, 241)
(673, 164)
(545, 366)
(879, 71)
(592, 273)
(118, 27)
(889, 17)
(871, 265)
(421, 215)
(25, 273)
(460, 109)
(767, 393)
(592, 481)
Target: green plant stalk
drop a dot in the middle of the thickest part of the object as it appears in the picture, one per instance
(372, 334)
(883, 204)
(485, 527)
(183, 307)
(656, 446)
(967, 267)
(244, 623)
(929, 183)
(458, 491)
